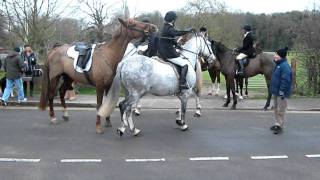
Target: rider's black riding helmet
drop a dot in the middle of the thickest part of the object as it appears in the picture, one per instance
(247, 28)
(170, 16)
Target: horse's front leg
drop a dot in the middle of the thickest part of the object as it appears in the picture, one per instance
(268, 99)
(235, 101)
(181, 123)
(99, 129)
(228, 93)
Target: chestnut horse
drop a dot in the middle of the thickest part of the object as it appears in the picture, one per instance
(104, 64)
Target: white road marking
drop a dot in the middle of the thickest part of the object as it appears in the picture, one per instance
(269, 157)
(313, 155)
(19, 160)
(79, 160)
(209, 159)
(146, 160)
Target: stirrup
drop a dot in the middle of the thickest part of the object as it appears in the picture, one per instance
(184, 86)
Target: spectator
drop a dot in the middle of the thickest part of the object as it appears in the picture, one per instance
(13, 66)
(30, 60)
(280, 88)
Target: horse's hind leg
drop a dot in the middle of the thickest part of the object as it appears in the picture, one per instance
(181, 123)
(52, 93)
(67, 85)
(137, 109)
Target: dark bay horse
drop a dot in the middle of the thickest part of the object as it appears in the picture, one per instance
(104, 64)
(262, 64)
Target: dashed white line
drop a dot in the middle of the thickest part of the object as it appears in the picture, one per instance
(80, 160)
(209, 159)
(313, 155)
(19, 160)
(269, 157)
(146, 160)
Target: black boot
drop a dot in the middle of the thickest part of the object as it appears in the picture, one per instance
(241, 68)
(183, 80)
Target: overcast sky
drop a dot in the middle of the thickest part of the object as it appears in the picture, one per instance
(253, 6)
(137, 7)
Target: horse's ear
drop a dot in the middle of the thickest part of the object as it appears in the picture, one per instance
(123, 22)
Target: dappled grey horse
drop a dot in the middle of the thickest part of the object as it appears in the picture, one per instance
(140, 75)
(133, 50)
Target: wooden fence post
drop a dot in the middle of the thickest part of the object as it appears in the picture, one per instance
(294, 71)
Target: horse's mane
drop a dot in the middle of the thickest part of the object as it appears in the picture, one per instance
(220, 47)
(183, 39)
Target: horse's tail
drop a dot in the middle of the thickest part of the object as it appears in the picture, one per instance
(44, 88)
(198, 86)
(112, 98)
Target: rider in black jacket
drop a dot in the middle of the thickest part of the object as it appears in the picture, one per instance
(168, 45)
(246, 49)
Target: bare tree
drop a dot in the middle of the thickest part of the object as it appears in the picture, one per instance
(31, 21)
(101, 14)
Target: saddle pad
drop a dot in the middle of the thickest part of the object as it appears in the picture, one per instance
(168, 63)
(74, 54)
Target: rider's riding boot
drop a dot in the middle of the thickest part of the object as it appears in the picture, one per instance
(183, 79)
(241, 68)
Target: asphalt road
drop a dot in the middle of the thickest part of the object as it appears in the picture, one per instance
(220, 145)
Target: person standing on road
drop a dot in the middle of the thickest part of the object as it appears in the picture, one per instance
(280, 88)
(30, 60)
(14, 67)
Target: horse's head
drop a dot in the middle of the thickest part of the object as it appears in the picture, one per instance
(198, 45)
(137, 29)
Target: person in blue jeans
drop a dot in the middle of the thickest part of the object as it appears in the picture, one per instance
(14, 67)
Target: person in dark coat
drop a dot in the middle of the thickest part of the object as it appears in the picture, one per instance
(14, 67)
(246, 50)
(30, 60)
(280, 88)
(168, 45)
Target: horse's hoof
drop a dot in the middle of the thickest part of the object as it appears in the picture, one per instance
(179, 123)
(108, 124)
(120, 133)
(136, 132)
(209, 94)
(225, 105)
(99, 130)
(136, 113)
(53, 121)
(184, 127)
(265, 108)
(65, 118)
(233, 107)
(197, 114)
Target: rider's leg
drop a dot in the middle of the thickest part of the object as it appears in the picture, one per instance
(183, 78)
(239, 59)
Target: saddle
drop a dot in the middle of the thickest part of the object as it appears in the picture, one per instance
(246, 60)
(84, 53)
